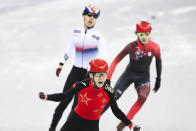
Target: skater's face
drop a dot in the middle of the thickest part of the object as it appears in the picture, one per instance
(144, 37)
(99, 78)
(90, 20)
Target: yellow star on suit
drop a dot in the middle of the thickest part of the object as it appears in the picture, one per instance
(84, 98)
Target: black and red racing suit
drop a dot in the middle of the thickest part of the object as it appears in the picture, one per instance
(91, 102)
(138, 69)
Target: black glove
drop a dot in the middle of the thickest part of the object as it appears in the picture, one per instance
(157, 84)
(135, 127)
(107, 82)
(58, 69)
(42, 96)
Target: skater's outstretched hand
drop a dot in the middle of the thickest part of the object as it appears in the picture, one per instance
(135, 127)
(43, 96)
(157, 84)
(58, 69)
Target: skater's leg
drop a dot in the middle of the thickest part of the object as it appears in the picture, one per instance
(76, 123)
(71, 123)
(72, 78)
(82, 75)
(58, 113)
(143, 91)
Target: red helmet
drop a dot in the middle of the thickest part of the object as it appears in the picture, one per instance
(98, 65)
(143, 26)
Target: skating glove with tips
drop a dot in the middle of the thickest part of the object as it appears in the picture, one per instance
(135, 127)
(43, 96)
(58, 69)
(157, 84)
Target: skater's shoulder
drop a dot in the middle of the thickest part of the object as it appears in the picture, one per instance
(77, 30)
(153, 43)
(131, 44)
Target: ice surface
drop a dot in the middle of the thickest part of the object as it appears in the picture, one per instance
(35, 33)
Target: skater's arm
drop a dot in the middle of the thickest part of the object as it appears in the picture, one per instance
(117, 59)
(158, 69)
(57, 97)
(102, 50)
(52, 97)
(158, 61)
(69, 51)
(63, 96)
(67, 55)
(118, 113)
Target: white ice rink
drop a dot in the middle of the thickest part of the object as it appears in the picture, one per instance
(34, 35)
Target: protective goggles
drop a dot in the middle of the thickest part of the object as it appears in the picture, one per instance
(142, 34)
(99, 74)
(95, 16)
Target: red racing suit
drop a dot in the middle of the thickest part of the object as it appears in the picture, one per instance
(91, 100)
(140, 57)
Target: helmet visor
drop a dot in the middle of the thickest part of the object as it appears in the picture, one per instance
(142, 34)
(95, 16)
(100, 74)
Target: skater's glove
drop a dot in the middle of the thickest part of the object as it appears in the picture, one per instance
(135, 127)
(43, 96)
(58, 69)
(107, 82)
(157, 84)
